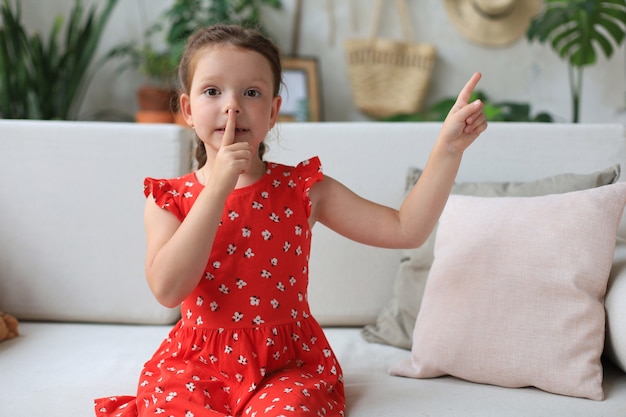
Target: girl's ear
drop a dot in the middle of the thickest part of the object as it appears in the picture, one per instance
(185, 109)
(276, 102)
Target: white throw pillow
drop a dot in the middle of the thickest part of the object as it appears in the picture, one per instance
(516, 290)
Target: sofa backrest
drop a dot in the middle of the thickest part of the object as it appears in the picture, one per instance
(71, 231)
(72, 243)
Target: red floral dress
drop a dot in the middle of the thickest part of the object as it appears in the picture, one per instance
(246, 344)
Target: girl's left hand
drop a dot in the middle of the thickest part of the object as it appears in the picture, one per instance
(465, 121)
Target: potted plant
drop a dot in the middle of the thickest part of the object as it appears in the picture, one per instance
(507, 111)
(171, 30)
(576, 31)
(47, 79)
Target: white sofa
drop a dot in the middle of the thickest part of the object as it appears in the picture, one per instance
(71, 259)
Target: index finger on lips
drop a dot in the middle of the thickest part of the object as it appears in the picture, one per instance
(229, 131)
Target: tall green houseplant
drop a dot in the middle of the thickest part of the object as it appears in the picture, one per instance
(577, 30)
(42, 79)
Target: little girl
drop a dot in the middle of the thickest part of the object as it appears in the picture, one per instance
(230, 243)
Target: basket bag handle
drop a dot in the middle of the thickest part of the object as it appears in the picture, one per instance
(403, 12)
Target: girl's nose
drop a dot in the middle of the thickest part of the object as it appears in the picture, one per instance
(232, 104)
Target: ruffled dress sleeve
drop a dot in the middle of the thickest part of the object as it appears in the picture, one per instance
(309, 172)
(164, 195)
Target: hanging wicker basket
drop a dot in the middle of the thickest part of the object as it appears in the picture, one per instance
(389, 77)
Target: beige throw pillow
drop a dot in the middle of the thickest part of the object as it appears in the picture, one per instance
(516, 291)
(395, 323)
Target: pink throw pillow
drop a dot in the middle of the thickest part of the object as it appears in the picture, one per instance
(516, 290)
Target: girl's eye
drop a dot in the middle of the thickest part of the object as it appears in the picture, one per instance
(211, 92)
(252, 93)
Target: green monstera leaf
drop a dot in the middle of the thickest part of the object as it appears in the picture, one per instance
(577, 30)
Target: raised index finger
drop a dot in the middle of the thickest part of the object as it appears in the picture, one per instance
(229, 131)
(466, 92)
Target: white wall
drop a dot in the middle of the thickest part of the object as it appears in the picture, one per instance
(519, 72)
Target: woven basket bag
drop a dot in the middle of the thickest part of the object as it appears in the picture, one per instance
(389, 77)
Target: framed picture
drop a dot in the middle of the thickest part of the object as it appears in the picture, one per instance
(301, 90)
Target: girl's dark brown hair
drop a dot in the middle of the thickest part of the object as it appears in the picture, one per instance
(245, 38)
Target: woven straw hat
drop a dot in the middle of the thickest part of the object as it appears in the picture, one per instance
(492, 22)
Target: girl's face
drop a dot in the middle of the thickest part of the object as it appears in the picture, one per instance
(226, 77)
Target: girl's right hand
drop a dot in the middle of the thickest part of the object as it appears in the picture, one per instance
(232, 159)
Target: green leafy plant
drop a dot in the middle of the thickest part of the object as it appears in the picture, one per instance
(174, 27)
(40, 80)
(494, 112)
(577, 30)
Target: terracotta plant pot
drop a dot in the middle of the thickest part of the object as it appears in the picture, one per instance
(154, 116)
(156, 98)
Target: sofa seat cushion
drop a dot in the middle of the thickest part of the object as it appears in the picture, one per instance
(57, 369)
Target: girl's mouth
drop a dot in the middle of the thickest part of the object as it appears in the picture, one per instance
(237, 130)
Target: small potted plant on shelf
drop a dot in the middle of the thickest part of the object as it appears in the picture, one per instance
(172, 30)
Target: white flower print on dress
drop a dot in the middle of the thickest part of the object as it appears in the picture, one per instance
(224, 289)
(274, 302)
(241, 283)
(188, 194)
(258, 320)
(275, 217)
(231, 249)
(286, 246)
(266, 274)
(214, 306)
(255, 301)
(248, 254)
(256, 205)
(246, 232)
(237, 317)
(267, 235)
(199, 301)
(288, 212)
(233, 215)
